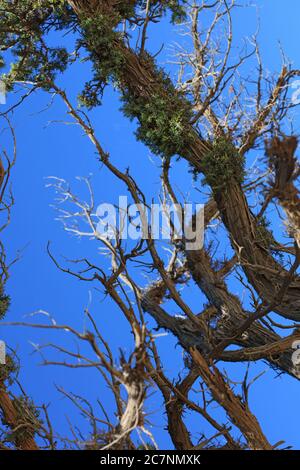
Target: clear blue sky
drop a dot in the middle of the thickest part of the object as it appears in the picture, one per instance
(47, 149)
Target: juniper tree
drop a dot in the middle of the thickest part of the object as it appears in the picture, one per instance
(204, 118)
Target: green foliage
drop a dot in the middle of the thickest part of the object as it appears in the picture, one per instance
(175, 7)
(23, 26)
(36, 65)
(100, 35)
(124, 9)
(92, 93)
(222, 165)
(264, 235)
(163, 122)
(163, 119)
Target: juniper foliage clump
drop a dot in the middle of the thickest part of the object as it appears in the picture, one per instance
(164, 119)
(163, 122)
(100, 39)
(222, 164)
(100, 35)
(264, 233)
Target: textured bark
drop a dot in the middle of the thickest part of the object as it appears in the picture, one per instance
(284, 164)
(261, 269)
(267, 350)
(230, 313)
(237, 410)
(228, 317)
(227, 314)
(176, 427)
(206, 335)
